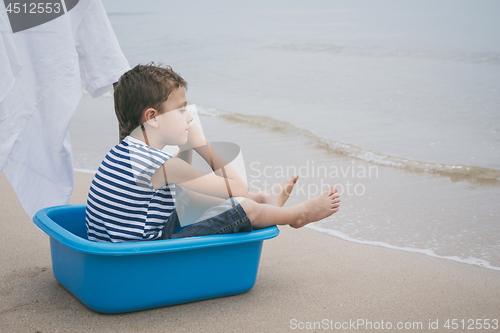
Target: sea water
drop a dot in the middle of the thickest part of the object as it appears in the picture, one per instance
(395, 103)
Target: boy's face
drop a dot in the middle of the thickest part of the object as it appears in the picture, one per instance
(173, 123)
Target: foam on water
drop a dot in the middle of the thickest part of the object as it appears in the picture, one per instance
(454, 171)
(431, 253)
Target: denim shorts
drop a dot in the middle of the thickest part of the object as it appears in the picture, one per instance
(226, 218)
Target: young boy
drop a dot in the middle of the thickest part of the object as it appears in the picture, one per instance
(132, 195)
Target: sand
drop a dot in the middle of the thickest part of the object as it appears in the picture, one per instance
(304, 277)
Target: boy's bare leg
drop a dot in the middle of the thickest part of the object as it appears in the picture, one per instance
(315, 209)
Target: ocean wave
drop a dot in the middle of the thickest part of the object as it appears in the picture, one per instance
(456, 172)
(431, 253)
(393, 52)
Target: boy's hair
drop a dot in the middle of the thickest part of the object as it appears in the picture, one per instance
(143, 87)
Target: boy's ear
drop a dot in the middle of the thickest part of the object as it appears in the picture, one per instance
(150, 117)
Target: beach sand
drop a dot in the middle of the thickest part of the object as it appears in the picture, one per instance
(304, 276)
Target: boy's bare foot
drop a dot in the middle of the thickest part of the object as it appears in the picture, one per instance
(279, 193)
(318, 207)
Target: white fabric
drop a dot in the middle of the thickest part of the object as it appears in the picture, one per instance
(10, 64)
(35, 150)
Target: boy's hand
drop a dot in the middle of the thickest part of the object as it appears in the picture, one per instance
(195, 138)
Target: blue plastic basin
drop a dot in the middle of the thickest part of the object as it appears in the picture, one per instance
(114, 278)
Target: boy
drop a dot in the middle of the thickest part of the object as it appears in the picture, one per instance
(132, 195)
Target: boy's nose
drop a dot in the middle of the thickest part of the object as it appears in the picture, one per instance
(189, 117)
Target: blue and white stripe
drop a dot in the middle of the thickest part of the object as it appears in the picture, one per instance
(122, 205)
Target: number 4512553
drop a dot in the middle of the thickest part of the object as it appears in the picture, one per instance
(33, 8)
(471, 324)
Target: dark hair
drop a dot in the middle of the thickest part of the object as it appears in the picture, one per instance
(143, 87)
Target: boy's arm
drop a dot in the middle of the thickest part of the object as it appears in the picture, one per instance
(180, 172)
(197, 141)
(186, 155)
(220, 166)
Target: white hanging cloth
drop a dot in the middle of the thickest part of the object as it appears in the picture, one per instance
(44, 67)
(10, 65)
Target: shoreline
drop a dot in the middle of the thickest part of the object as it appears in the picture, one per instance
(473, 262)
(304, 277)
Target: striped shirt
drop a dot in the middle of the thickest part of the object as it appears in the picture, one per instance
(122, 204)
